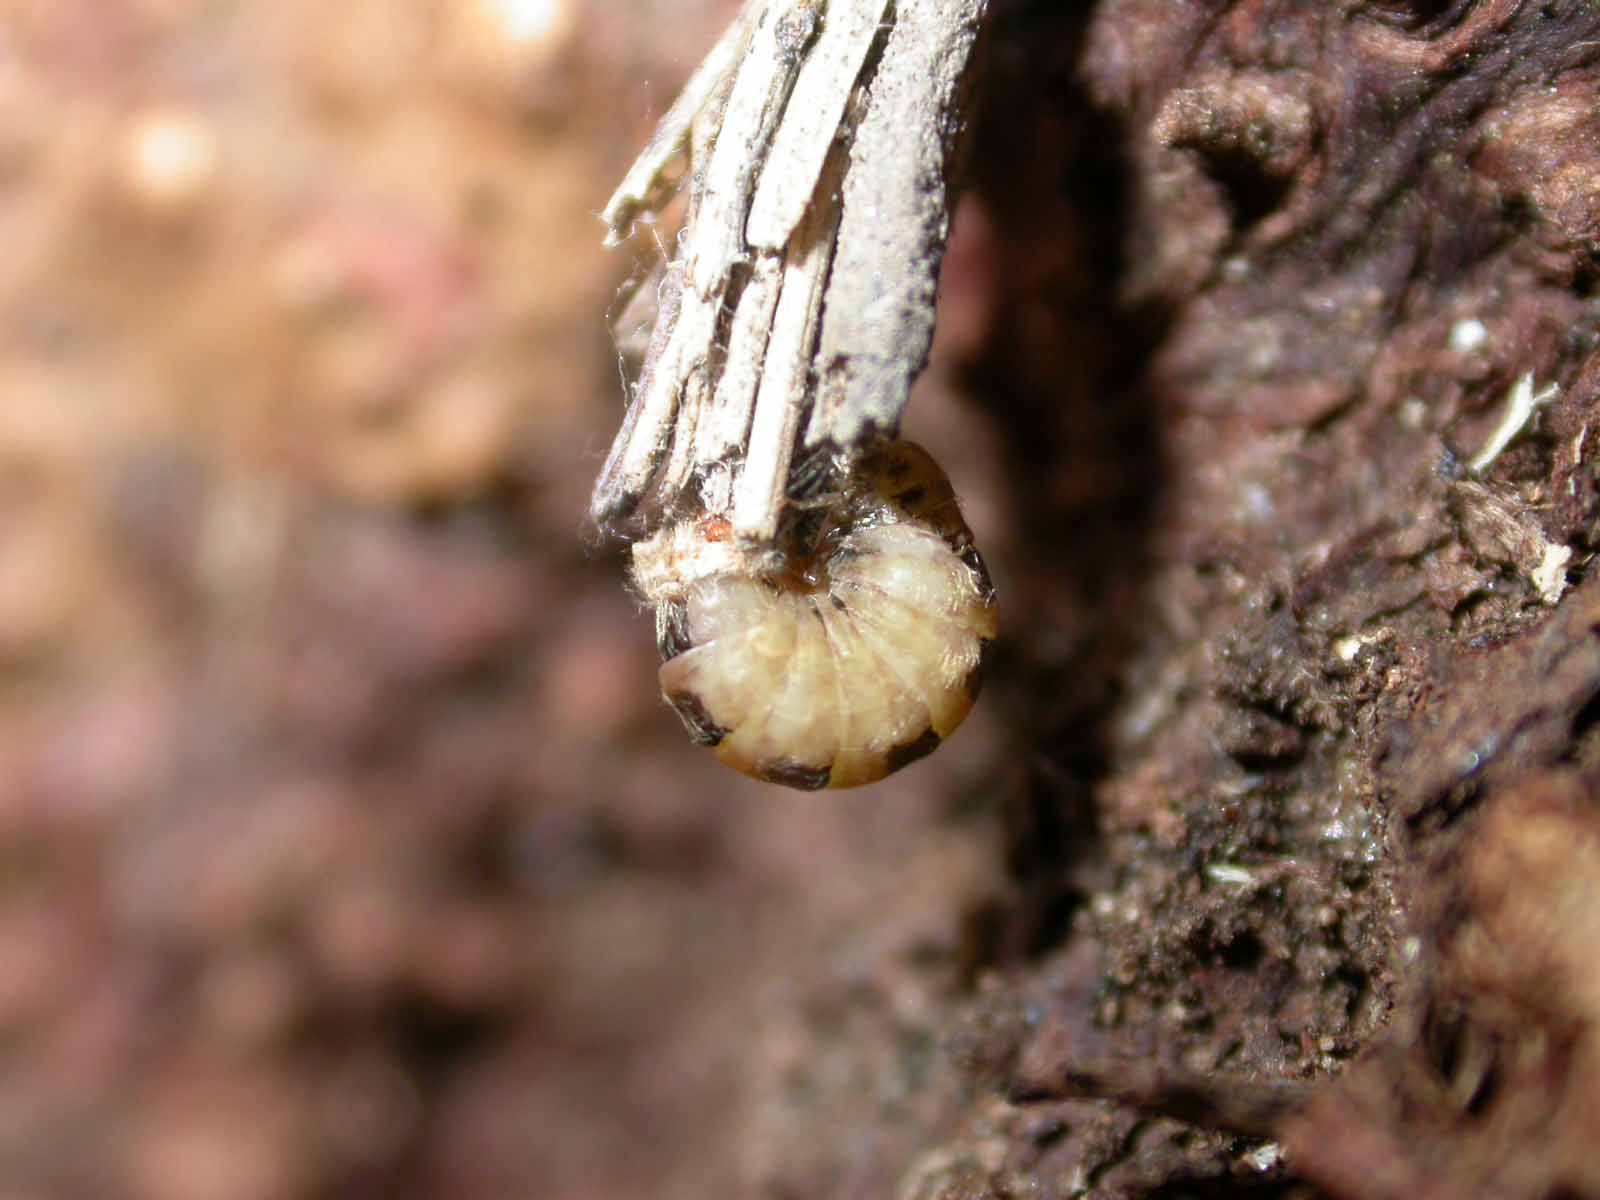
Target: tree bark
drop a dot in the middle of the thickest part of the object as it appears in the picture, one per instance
(1295, 352)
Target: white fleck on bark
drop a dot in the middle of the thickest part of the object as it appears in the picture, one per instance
(823, 138)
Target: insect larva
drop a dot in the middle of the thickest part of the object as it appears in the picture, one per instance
(851, 648)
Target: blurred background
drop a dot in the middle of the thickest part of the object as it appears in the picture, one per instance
(345, 846)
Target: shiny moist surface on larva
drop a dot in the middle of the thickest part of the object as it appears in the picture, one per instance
(852, 648)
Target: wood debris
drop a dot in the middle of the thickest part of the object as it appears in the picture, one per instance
(821, 139)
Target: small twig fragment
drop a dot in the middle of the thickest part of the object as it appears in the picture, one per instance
(715, 239)
(816, 107)
(642, 188)
(722, 434)
(879, 320)
(648, 429)
(1521, 403)
(758, 494)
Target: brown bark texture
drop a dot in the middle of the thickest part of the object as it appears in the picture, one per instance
(1292, 340)
(346, 849)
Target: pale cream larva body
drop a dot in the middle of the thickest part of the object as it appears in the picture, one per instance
(853, 647)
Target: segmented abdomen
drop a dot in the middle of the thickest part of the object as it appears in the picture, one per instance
(839, 668)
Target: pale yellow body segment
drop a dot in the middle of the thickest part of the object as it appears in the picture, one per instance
(834, 664)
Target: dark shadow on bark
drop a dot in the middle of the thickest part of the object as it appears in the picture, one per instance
(1062, 377)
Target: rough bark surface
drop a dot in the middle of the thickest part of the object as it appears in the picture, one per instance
(349, 852)
(1303, 892)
